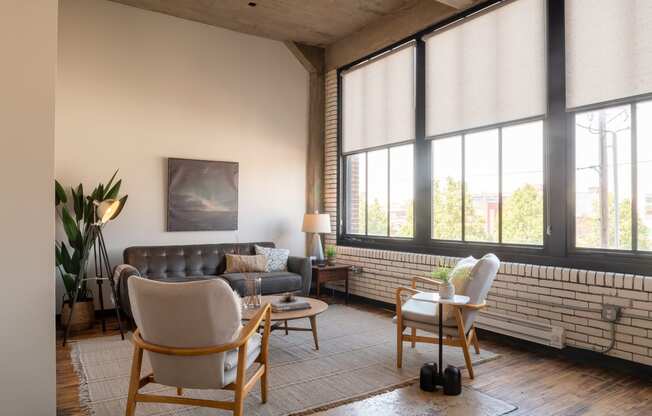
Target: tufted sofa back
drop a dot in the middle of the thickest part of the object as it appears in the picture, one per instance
(173, 262)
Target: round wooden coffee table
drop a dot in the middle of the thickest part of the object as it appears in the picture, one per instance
(279, 318)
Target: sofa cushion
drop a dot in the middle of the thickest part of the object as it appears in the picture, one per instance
(237, 263)
(277, 258)
(272, 282)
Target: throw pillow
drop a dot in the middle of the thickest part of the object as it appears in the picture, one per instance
(277, 258)
(460, 276)
(243, 264)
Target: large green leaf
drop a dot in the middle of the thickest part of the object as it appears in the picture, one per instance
(108, 186)
(59, 194)
(78, 200)
(123, 201)
(71, 229)
(88, 210)
(69, 283)
(113, 192)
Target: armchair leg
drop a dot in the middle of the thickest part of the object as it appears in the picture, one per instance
(463, 342)
(134, 380)
(179, 391)
(414, 334)
(474, 340)
(399, 344)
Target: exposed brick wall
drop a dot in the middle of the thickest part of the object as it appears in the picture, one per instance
(537, 293)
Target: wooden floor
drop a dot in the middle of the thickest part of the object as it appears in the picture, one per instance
(538, 380)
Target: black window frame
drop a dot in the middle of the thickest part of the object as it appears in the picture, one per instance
(558, 247)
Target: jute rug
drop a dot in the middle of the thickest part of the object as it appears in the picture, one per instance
(356, 359)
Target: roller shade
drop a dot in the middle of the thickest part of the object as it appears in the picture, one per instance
(608, 50)
(487, 69)
(378, 101)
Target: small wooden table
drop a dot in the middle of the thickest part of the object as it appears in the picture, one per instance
(316, 307)
(323, 274)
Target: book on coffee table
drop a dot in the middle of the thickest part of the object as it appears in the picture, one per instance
(295, 305)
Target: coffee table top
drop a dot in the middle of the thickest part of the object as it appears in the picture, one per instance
(316, 307)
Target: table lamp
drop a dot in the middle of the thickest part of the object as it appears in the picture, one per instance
(316, 224)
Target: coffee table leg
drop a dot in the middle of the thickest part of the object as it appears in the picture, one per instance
(313, 326)
(286, 327)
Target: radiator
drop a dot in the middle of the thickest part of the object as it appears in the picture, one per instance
(552, 336)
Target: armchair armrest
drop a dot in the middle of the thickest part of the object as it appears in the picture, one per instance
(399, 301)
(302, 266)
(425, 280)
(475, 306)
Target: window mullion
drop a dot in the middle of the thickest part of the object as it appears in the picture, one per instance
(500, 185)
(389, 180)
(366, 194)
(422, 200)
(634, 165)
(463, 187)
(557, 179)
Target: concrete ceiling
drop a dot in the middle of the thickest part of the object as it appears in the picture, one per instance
(311, 22)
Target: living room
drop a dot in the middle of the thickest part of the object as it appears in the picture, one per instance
(281, 207)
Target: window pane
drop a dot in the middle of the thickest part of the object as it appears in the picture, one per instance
(523, 183)
(356, 194)
(377, 167)
(603, 205)
(481, 186)
(401, 188)
(447, 188)
(644, 159)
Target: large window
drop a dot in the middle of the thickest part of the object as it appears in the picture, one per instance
(522, 127)
(378, 128)
(608, 76)
(488, 186)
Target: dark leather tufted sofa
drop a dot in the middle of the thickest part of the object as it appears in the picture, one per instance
(198, 262)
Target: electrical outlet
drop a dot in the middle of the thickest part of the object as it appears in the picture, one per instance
(610, 313)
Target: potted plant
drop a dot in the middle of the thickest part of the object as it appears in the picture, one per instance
(71, 255)
(446, 288)
(331, 255)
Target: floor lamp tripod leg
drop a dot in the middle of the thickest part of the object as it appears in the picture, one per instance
(116, 301)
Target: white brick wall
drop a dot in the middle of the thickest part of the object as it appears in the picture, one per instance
(538, 293)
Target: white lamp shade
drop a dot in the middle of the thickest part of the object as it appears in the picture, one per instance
(316, 223)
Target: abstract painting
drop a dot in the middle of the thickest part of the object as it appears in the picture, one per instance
(202, 195)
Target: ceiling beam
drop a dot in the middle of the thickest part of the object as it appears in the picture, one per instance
(456, 4)
(311, 57)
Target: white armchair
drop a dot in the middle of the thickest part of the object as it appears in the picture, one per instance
(460, 329)
(194, 338)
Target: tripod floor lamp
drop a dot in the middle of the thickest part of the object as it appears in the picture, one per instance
(104, 212)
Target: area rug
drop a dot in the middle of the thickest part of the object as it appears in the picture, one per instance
(356, 360)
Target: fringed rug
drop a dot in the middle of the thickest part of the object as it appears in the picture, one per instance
(356, 360)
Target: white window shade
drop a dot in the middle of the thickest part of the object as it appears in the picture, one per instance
(378, 102)
(608, 50)
(488, 69)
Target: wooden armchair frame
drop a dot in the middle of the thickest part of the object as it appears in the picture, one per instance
(463, 339)
(240, 387)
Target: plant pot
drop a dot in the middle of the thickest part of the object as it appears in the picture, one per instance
(447, 291)
(330, 261)
(82, 318)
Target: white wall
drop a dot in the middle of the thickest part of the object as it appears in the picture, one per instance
(135, 87)
(28, 34)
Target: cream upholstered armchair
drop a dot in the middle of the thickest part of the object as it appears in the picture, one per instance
(194, 338)
(459, 330)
